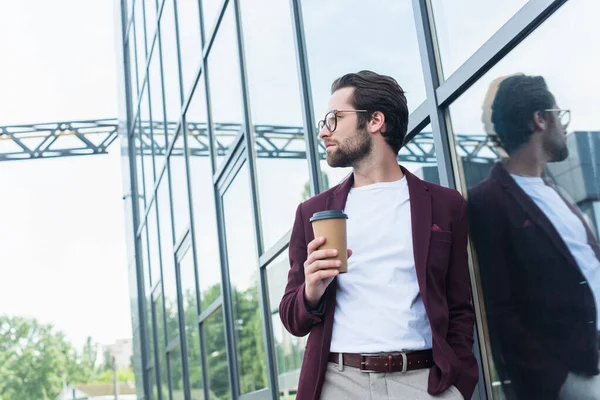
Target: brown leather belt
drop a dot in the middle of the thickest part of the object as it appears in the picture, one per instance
(386, 362)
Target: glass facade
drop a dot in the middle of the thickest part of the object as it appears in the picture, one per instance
(221, 146)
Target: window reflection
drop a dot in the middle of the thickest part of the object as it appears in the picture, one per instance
(165, 221)
(153, 246)
(133, 73)
(140, 41)
(161, 346)
(243, 272)
(282, 170)
(225, 86)
(179, 187)
(150, 8)
(170, 63)
(289, 349)
(190, 312)
(456, 21)
(205, 221)
(216, 356)
(533, 181)
(189, 41)
(156, 104)
(176, 375)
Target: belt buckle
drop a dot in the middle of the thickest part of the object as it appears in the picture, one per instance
(363, 362)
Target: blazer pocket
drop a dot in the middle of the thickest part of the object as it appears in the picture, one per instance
(441, 236)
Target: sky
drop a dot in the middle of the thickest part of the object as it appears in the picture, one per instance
(62, 236)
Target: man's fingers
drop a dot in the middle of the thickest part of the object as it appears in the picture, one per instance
(327, 273)
(322, 265)
(314, 245)
(349, 253)
(321, 255)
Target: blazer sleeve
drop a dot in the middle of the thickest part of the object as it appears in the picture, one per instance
(517, 353)
(461, 315)
(293, 310)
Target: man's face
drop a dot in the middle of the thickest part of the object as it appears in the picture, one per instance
(347, 144)
(554, 140)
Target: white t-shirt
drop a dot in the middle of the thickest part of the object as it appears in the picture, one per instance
(569, 227)
(378, 303)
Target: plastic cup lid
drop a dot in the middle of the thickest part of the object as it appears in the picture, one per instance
(328, 215)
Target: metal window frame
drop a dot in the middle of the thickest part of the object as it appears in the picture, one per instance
(440, 94)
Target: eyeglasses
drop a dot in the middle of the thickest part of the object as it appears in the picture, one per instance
(564, 116)
(330, 120)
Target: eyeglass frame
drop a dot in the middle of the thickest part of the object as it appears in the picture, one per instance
(561, 113)
(323, 123)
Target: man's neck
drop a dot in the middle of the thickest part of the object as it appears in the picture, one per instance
(377, 169)
(526, 162)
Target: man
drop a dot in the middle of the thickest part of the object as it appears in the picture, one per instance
(399, 323)
(538, 259)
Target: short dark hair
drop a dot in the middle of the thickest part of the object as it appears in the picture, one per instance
(517, 99)
(375, 92)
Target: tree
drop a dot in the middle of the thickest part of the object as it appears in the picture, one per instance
(34, 359)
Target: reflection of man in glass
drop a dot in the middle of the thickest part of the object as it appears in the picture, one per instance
(539, 260)
(399, 323)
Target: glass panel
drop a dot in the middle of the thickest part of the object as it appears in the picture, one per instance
(456, 21)
(139, 169)
(158, 115)
(539, 273)
(146, 138)
(211, 10)
(225, 87)
(169, 62)
(205, 220)
(145, 259)
(133, 296)
(389, 47)
(243, 272)
(281, 166)
(150, 8)
(188, 289)
(181, 208)
(154, 246)
(216, 356)
(137, 364)
(170, 292)
(176, 374)
(150, 332)
(133, 67)
(140, 41)
(189, 41)
(160, 335)
(288, 349)
(418, 156)
(164, 218)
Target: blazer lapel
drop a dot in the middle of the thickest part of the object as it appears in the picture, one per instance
(337, 200)
(537, 215)
(421, 219)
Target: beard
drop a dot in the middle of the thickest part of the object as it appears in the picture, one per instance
(351, 151)
(557, 149)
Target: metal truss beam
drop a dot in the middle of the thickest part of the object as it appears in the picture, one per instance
(57, 139)
(61, 139)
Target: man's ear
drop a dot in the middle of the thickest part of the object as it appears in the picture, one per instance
(377, 122)
(538, 123)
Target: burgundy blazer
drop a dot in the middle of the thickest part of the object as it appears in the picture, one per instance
(442, 273)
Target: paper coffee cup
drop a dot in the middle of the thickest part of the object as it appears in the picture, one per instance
(332, 226)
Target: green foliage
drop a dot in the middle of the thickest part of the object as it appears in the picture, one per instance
(35, 358)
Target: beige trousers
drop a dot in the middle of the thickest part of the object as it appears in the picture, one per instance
(351, 383)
